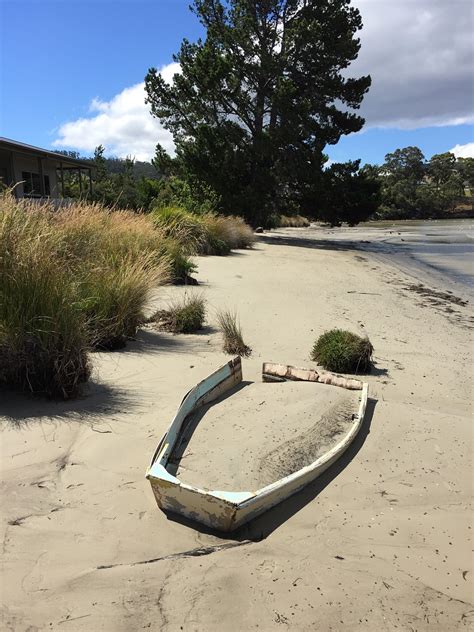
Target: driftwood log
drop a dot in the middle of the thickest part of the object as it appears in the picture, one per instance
(281, 372)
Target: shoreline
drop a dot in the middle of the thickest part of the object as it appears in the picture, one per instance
(379, 241)
(380, 540)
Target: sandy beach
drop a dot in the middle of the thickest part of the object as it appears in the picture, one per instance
(380, 542)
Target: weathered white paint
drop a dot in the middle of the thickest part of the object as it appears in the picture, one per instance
(227, 510)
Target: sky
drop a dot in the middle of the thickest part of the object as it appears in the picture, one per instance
(71, 74)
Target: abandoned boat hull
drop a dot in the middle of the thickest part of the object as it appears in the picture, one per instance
(223, 510)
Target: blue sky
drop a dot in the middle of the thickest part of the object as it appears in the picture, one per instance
(71, 74)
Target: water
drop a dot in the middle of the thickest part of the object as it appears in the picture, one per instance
(441, 249)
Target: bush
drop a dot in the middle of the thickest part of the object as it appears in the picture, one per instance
(116, 256)
(182, 316)
(43, 335)
(343, 352)
(293, 221)
(181, 266)
(70, 281)
(206, 234)
(232, 334)
(181, 226)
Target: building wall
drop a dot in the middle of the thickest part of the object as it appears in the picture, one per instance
(22, 162)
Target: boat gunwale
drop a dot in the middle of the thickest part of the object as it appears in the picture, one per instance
(228, 376)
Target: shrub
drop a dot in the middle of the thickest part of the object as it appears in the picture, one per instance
(237, 232)
(116, 255)
(233, 342)
(181, 266)
(185, 228)
(182, 316)
(113, 296)
(343, 352)
(293, 221)
(205, 234)
(71, 280)
(43, 335)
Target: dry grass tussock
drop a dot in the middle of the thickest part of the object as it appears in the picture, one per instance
(71, 281)
(233, 342)
(206, 234)
(293, 221)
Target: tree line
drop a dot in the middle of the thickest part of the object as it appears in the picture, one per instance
(405, 186)
(252, 110)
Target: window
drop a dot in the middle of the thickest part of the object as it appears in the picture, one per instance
(31, 184)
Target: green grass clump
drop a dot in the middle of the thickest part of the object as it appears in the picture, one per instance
(118, 259)
(182, 226)
(182, 316)
(343, 352)
(205, 234)
(44, 341)
(233, 342)
(70, 281)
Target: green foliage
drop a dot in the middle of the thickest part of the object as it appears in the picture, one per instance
(71, 280)
(465, 168)
(207, 234)
(256, 101)
(343, 352)
(43, 334)
(179, 224)
(405, 164)
(233, 342)
(183, 316)
(174, 191)
(348, 194)
(413, 188)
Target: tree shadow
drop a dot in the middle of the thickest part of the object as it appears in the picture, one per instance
(264, 525)
(310, 242)
(190, 425)
(21, 410)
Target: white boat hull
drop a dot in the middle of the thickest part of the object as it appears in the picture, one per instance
(223, 510)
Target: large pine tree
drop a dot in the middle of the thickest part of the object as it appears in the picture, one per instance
(257, 101)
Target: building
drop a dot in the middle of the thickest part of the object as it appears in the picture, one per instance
(39, 173)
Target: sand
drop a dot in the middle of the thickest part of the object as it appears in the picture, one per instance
(379, 542)
(261, 433)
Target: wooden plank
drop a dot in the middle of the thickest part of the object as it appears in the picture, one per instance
(289, 372)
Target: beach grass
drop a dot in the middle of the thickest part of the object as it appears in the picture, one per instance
(343, 352)
(206, 234)
(71, 281)
(233, 342)
(44, 340)
(293, 221)
(183, 315)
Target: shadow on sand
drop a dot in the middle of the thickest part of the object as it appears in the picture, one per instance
(264, 525)
(150, 340)
(311, 242)
(20, 410)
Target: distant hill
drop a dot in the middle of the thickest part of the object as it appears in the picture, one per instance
(117, 165)
(140, 168)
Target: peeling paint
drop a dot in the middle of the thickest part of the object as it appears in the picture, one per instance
(227, 510)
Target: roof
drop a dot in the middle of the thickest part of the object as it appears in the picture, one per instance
(23, 148)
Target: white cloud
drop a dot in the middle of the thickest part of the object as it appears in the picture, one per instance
(463, 151)
(420, 55)
(123, 125)
(418, 52)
